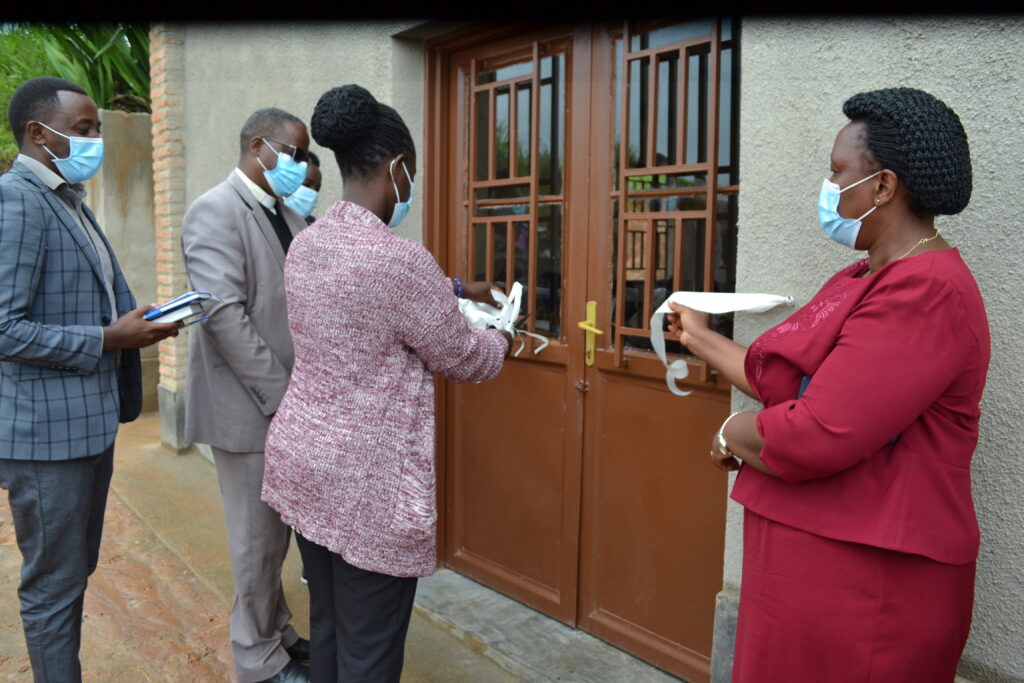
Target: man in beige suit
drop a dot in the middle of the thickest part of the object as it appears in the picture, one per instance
(235, 238)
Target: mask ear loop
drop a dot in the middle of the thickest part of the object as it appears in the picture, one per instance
(868, 212)
(272, 150)
(391, 172)
(56, 132)
(394, 183)
(409, 178)
(863, 180)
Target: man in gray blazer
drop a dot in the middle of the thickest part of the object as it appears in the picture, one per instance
(69, 363)
(235, 237)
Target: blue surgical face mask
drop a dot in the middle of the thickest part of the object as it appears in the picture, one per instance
(303, 200)
(839, 229)
(286, 176)
(401, 208)
(85, 155)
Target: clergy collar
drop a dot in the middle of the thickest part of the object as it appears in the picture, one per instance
(268, 201)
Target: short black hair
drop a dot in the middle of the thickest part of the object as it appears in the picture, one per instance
(34, 100)
(921, 140)
(361, 131)
(313, 159)
(264, 123)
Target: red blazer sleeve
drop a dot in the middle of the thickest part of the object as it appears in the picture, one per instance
(899, 349)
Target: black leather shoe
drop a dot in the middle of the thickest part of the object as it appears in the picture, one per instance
(299, 651)
(293, 672)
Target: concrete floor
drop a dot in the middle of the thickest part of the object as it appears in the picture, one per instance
(157, 606)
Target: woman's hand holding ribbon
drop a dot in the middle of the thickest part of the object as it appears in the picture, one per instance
(686, 324)
(479, 291)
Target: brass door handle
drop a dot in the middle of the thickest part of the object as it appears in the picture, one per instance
(591, 330)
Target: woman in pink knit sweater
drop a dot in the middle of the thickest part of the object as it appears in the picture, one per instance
(350, 452)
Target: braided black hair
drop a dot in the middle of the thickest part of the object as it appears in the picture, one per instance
(34, 100)
(921, 140)
(361, 131)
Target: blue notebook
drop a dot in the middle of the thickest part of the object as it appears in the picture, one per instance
(187, 307)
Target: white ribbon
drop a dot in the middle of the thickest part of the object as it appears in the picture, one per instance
(706, 302)
(481, 316)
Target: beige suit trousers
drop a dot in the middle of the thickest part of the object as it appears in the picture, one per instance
(257, 543)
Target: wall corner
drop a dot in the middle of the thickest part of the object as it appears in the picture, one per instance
(723, 642)
(166, 68)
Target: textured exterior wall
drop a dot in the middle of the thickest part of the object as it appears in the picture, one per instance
(230, 71)
(121, 196)
(166, 54)
(796, 73)
(207, 79)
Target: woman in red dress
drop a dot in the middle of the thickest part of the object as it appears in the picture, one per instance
(860, 537)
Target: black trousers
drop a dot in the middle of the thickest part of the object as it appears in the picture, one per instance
(58, 509)
(357, 619)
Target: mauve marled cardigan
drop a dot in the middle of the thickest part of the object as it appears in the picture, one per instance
(350, 452)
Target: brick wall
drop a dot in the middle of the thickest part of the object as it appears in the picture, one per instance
(166, 65)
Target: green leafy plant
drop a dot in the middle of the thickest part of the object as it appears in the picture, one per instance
(110, 61)
(21, 57)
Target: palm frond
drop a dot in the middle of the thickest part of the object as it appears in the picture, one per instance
(110, 61)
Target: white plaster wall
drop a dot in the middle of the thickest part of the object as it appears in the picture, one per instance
(233, 70)
(796, 73)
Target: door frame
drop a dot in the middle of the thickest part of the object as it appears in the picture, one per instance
(444, 139)
(442, 145)
(441, 139)
(437, 154)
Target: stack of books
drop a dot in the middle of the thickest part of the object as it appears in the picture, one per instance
(187, 308)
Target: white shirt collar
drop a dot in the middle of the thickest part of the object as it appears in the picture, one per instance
(267, 200)
(49, 178)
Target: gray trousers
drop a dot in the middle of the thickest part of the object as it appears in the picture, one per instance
(257, 544)
(58, 508)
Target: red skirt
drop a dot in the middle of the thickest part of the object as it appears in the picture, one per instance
(815, 610)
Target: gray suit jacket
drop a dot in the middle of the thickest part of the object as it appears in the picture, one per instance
(240, 359)
(61, 396)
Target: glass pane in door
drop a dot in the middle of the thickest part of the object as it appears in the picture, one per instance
(673, 230)
(552, 124)
(549, 270)
(519, 152)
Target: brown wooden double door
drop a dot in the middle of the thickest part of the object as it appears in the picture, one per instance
(591, 163)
